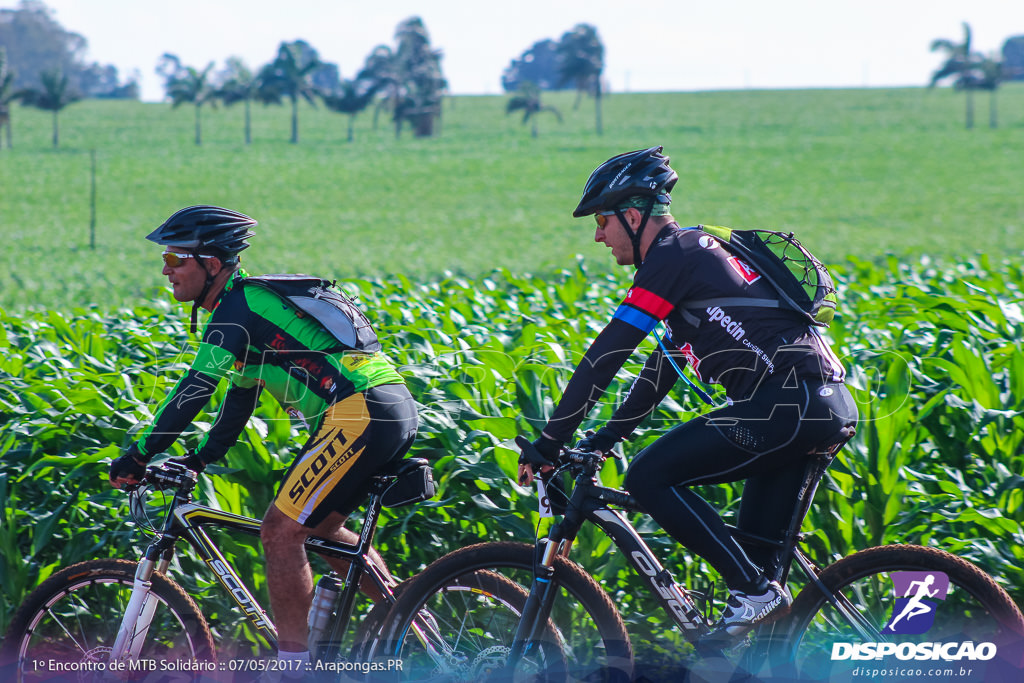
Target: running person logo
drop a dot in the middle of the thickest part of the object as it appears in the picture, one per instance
(917, 596)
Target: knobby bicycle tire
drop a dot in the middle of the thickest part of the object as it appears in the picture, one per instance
(824, 644)
(70, 621)
(461, 631)
(367, 638)
(585, 636)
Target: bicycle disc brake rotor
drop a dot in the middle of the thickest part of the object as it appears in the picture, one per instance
(489, 660)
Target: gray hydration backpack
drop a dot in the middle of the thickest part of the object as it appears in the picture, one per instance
(323, 300)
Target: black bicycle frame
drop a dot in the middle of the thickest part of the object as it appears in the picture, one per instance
(590, 502)
(187, 520)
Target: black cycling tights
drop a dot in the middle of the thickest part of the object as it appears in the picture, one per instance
(765, 440)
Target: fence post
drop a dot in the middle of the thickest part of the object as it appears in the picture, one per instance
(92, 199)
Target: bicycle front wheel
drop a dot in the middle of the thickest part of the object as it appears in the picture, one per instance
(69, 624)
(456, 621)
(900, 611)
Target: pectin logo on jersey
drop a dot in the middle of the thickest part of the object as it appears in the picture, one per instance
(745, 271)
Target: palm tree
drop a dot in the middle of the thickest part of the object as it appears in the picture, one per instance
(290, 75)
(352, 97)
(959, 65)
(581, 62)
(381, 71)
(527, 99)
(990, 74)
(7, 96)
(420, 82)
(189, 85)
(241, 85)
(52, 97)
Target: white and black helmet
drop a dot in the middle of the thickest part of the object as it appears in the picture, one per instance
(206, 229)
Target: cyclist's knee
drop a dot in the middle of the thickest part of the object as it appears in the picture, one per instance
(633, 482)
(277, 529)
(644, 474)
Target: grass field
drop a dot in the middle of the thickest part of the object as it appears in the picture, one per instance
(860, 173)
(934, 351)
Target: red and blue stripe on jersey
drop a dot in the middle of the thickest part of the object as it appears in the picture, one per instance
(643, 309)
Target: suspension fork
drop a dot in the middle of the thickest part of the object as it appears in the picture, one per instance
(543, 590)
(538, 603)
(138, 615)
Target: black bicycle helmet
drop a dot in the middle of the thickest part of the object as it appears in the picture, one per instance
(208, 230)
(211, 229)
(644, 172)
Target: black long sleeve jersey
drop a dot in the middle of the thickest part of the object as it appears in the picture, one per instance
(734, 346)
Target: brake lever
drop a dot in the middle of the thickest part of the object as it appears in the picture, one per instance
(614, 452)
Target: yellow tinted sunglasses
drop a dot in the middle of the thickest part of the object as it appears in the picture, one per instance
(602, 218)
(173, 259)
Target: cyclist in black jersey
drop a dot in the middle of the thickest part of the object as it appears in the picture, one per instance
(349, 397)
(785, 385)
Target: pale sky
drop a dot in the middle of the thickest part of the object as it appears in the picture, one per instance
(652, 45)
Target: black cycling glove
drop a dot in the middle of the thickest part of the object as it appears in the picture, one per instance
(603, 440)
(128, 465)
(549, 448)
(191, 461)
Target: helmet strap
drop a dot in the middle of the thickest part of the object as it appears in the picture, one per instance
(634, 237)
(202, 295)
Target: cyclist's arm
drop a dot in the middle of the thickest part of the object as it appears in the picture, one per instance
(189, 396)
(221, 347)
(651, 386)
(592, 376)
(239, 404)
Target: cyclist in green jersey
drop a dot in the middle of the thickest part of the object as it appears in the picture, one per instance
(349, 397)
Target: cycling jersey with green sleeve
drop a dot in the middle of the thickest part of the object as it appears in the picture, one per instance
(261, 341)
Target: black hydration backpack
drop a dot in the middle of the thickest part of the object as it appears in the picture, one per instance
(802, 281)
(323, 300)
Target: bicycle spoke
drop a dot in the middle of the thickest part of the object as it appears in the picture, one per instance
(57, 620)
(74, 616)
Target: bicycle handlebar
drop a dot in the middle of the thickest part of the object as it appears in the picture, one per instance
(587, 460)
(168, 475)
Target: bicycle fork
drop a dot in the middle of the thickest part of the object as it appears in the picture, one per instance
(138, 616)
(538, 604)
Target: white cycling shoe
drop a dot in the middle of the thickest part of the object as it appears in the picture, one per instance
(744, 611)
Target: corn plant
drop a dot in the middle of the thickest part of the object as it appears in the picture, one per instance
(935, 362)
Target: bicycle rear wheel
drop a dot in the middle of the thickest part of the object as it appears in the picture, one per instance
(67, 626)
(838, 639)
(584, 637)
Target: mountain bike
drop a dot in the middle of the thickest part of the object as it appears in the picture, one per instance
(122, 618)
(838, 620)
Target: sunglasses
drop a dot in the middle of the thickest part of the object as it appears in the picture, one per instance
(602, 218)
(173, 259)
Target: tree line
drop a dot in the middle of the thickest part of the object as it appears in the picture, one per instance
(36, 42)
(405, 80)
